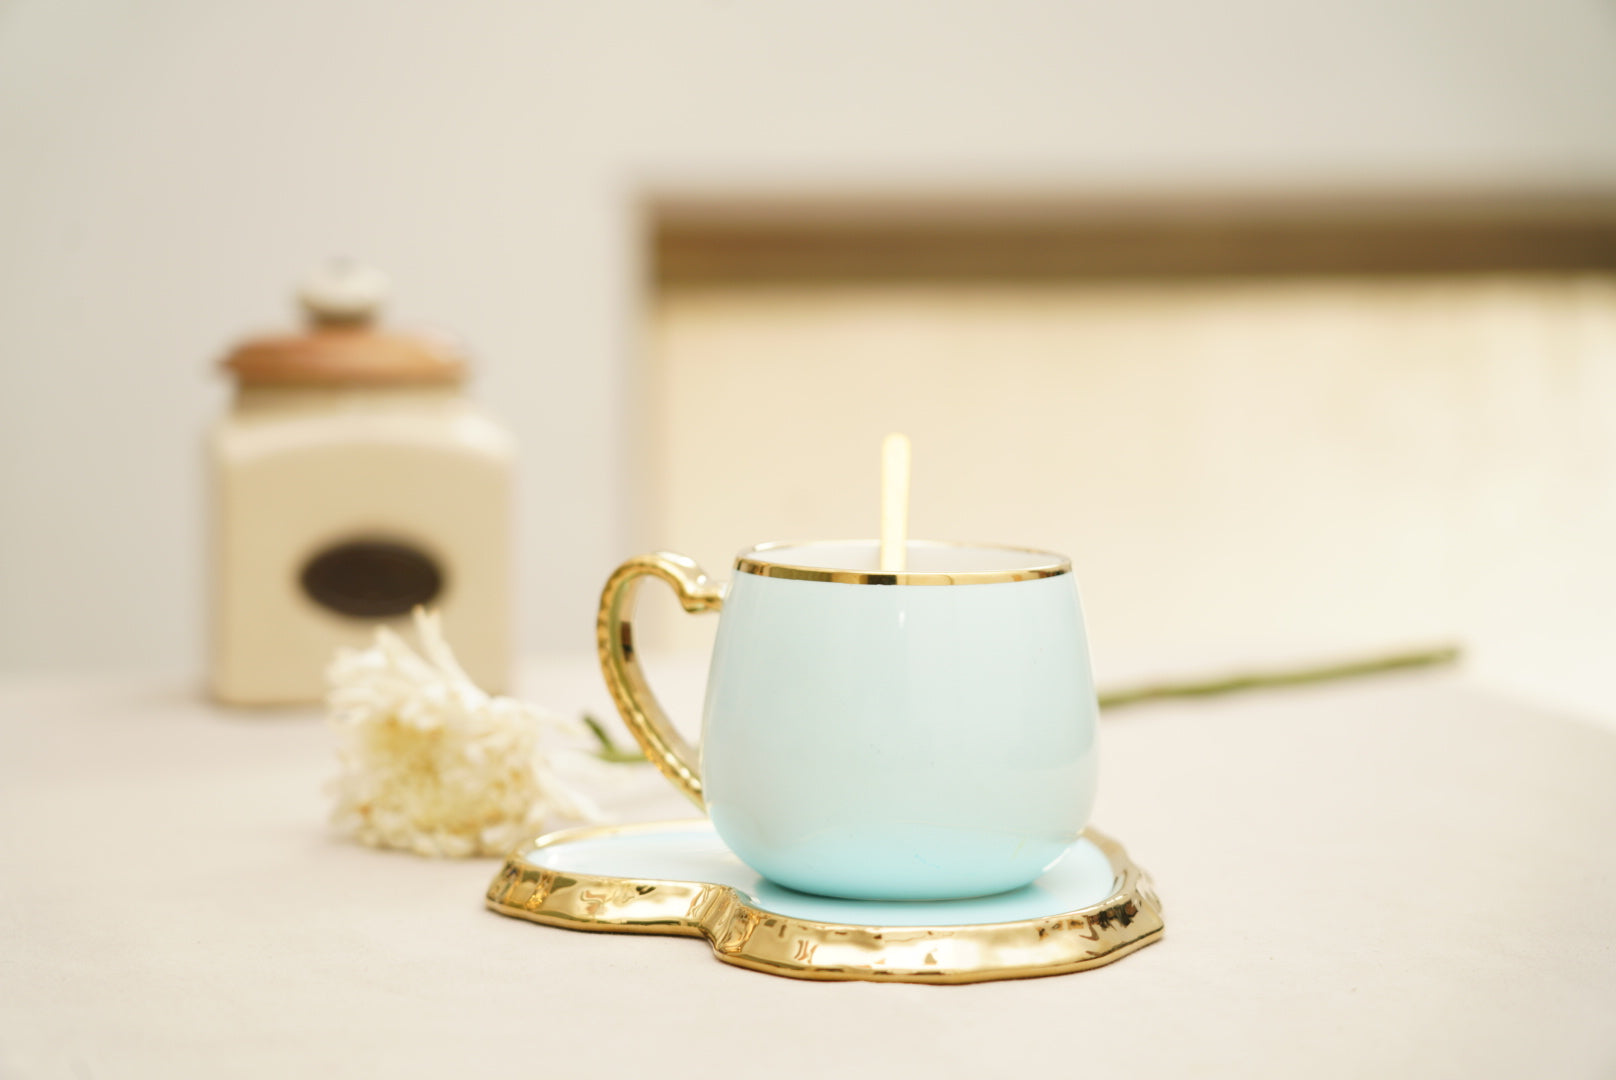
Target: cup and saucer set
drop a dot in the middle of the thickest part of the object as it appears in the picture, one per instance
(896, 771)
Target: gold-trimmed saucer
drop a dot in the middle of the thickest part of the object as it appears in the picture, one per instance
(676, 878)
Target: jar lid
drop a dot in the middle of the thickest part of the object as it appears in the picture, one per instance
(341, 345)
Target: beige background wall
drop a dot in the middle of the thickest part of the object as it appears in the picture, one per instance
(167, 168)
(1246, 473)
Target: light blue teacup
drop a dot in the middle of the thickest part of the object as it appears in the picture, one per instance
(921, 735)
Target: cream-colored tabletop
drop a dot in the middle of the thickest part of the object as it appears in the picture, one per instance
(1399, 876)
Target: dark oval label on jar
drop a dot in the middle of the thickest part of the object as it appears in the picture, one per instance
(371, 579)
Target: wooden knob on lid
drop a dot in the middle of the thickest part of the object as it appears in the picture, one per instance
(342, 346)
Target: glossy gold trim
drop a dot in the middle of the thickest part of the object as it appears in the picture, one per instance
(1045, 564)
(620, 661)
(752, 937)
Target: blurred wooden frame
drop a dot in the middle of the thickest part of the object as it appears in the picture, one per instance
(752, 240)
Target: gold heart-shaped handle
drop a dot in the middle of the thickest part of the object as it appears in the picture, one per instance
(620, 664)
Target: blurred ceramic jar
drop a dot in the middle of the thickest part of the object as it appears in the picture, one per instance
(353, 480)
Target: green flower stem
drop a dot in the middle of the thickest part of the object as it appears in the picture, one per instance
(1279, 677)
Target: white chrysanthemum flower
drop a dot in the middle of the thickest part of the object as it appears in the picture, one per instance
(432, 764)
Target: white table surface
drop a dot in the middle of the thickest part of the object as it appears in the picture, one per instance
(1399, 876)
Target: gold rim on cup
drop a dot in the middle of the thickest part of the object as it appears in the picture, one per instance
(1043, 564)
